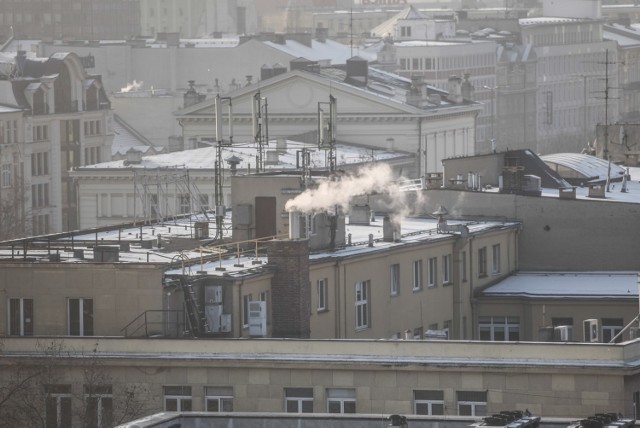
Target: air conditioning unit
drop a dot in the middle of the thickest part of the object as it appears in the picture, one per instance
(563, 333)
(257, 319)
(591, 330)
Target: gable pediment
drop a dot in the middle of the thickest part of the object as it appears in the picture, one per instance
(298, 93)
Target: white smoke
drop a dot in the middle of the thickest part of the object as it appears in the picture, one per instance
(374, 178)
(132, 87)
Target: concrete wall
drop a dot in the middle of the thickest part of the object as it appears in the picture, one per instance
(551, 380)
(571, 234)
(120, 293)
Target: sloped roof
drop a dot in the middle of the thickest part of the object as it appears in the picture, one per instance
(583, 285)
(330, 51)
(587, 166)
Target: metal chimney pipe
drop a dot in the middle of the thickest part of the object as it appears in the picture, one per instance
(294, 225)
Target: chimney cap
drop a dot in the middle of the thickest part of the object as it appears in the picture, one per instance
(442, 211)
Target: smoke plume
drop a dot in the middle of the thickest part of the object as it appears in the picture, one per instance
(132, 87)
(375, 178)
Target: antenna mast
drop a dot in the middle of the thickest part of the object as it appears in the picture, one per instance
(260, 127)
(220, 143)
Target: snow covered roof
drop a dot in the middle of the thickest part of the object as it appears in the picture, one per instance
(587, 166)
(583, 285)
(204, 158)
(329, 51)
(622, 35)
(125, 140)
(549, 20)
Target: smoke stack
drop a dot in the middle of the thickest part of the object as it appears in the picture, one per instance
(390, 230)
(294, 225)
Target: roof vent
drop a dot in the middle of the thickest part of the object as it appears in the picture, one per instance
(106, 253)
(134, 157)
(357, 71)
(390, 230)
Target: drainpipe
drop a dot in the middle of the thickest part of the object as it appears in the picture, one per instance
(336, 275)
(344, 302)
(471, 302)
(239, 323)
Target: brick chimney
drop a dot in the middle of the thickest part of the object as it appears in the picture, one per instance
(290, 288)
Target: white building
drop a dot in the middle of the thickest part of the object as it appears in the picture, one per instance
(576, 70)
(66, 123)
(197, 18)
(374, 109)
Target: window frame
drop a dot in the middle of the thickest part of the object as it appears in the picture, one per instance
(221, 395)
(300, 397)
(341, 396)
(83, 317)
(24, 328)
(429, 402)
(446, 269)
(416, 275)
(362, 321)
(482, 262)
(321, 295)
(510, 325)
(473, 405)
(495, 265)
(245, 309)
(433, 272)
(394, 279)
(180, 398)
(62, 396)
(103, 413)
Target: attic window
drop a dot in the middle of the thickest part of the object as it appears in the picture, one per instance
(405, 31)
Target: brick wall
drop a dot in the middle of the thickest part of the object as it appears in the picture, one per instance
(290, 288)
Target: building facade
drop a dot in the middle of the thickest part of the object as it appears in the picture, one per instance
(71, 19)
(67, 123)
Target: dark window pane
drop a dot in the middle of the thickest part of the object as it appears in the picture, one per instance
(185, 405)
(349, 406)
(170, 405)
(334, 407)
(74, 317)
(213, 405)
(437, 409)
(307, 407)
(87, 317)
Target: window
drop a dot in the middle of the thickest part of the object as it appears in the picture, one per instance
(446, 269)
(80, 315)
(21, 317)
(417, 275)
(184, 204)
(482, 262)
(499, 329)
(341, 400)
(41, 132)
(245, 310)
(611, 327)
(433, 272)
(405, 31)
(57, 406)
(362, 305)
(298, 400)
(394, 280)
(99, 406)
(218, 398)
(177, 398)
(426, 402)
(495, 269)
(321, 295)
(6, 175)
(472, 403)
